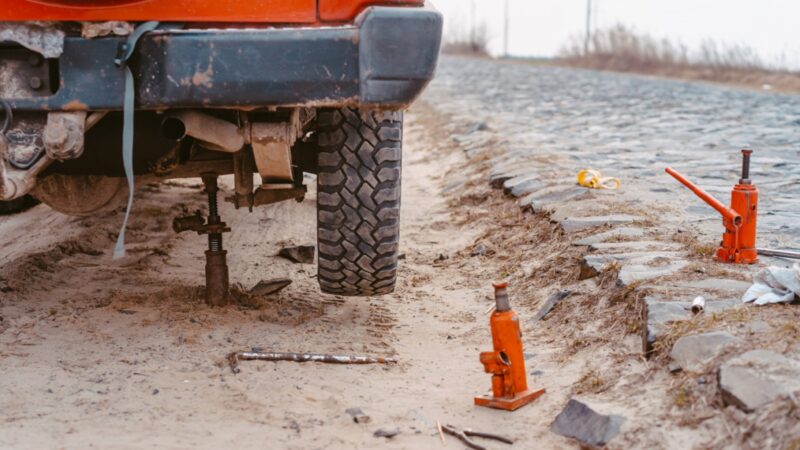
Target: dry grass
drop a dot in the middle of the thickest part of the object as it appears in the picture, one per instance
(696, 248)
(592, 382)
(776, 425)
(622, 49)
(683, 396)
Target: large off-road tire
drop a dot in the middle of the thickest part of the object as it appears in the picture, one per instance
(358, 200)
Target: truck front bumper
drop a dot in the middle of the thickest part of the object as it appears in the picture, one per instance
(385, 59)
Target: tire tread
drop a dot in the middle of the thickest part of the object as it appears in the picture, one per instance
(358, 204)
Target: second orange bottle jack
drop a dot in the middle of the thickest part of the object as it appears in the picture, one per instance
(507, 362)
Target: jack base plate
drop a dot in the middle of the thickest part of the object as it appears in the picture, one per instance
(743, 256)
(509, 404)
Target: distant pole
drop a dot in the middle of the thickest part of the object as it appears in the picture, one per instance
(505, 33)
(472, 32)
(588, 27)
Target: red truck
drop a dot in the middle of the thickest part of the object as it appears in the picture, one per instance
(97, 93)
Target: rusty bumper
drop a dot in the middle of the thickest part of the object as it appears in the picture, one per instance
(386, 58)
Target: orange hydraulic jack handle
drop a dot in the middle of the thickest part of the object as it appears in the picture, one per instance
(739, 239)
(506, 363)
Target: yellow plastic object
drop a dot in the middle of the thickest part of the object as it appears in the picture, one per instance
(593, 179)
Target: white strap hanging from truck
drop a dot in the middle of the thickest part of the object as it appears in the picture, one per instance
(127, 128)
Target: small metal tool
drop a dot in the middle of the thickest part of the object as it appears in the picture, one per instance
(466, 434)
(779, 253)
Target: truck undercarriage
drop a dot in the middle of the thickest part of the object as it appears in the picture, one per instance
(263, 103)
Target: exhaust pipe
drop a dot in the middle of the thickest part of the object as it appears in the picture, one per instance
(216, 134)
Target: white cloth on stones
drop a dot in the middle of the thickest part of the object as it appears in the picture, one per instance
(774, 285)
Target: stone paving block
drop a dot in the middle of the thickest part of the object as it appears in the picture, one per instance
(475, 127)
(551, 303)
(716, 284)
(505, 161)
(575, 224)
(508, 167)
(620, 232)
(499, 176)
(657, 314)
(539, 199)
(635, 266)
(650, 266)
(302, 254)
(267, 287)
(523, 189)
(523, 185)
(550, 201)
(511, 182)
(714, 306)
(756, 327)
(577, 420)
(758, 377)
(693, 353)
(593, 265)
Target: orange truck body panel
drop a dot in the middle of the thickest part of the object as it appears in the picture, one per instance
(254, 11)
(283, 11)
(343, 10)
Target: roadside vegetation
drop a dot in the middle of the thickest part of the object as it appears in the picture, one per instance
(622, 49)
(474, 41)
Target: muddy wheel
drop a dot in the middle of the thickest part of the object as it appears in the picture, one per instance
(81, 195)
(358, 200)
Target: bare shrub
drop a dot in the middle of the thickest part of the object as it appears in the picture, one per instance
(473, 41)
(621, 48)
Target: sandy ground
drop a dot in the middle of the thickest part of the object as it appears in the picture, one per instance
(102, 354)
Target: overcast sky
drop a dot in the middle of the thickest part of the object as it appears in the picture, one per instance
(540, 27)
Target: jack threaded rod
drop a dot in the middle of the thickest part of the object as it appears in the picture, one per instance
(746, 166)
(214, 239)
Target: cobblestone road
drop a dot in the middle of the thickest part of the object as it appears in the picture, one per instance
(645, 248)
(557, 121)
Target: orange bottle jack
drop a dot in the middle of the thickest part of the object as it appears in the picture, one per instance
(739, 239)
(506, 363)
